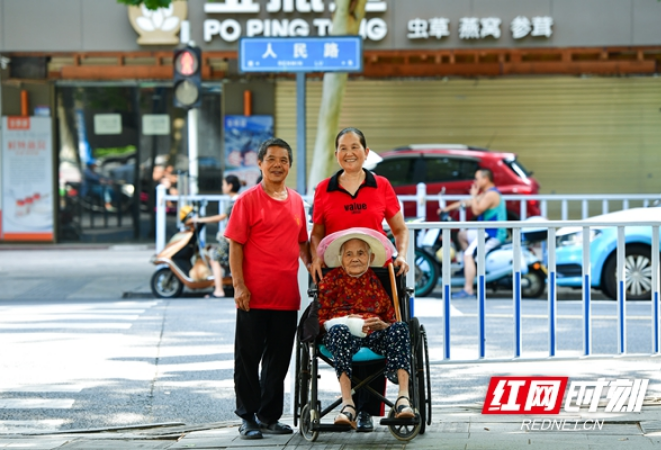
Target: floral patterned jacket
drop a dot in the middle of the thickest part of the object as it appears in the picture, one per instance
(342, 295)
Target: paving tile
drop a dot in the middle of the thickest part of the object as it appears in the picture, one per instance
(32, 444)
(605, 442)
(495, 427)
(115, 445)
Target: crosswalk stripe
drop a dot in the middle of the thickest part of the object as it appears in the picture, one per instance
(33, 403)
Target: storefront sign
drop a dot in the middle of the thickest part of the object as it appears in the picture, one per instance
(479, 28)
(231, 29)
(107, 124)
(27, 179)
(315, 54)
(156, 124)
(159, 27)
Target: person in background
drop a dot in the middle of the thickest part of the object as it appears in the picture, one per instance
(96, 186)
(219, 254)
(267, 234)
(487, 204)
(355, 197)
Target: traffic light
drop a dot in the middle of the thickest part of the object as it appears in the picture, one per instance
(187, 63)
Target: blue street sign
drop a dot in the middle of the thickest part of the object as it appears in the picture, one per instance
(301, 54)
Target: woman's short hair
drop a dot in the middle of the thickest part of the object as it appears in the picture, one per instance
(356, 131)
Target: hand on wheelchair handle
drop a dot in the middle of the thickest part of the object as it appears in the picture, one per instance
(401, 265)
(315, 270)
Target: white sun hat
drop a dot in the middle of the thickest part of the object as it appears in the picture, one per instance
(381, 247)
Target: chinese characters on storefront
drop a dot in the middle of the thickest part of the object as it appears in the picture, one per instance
(230, 30)
(479, 28)
(373, 28)
(27, 179)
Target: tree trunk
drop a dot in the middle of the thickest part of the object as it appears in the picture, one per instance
(346, 20)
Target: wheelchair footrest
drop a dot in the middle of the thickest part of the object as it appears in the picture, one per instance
(330, 427)
(388, 421)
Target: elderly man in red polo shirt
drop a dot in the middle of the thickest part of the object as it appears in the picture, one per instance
(267, 235)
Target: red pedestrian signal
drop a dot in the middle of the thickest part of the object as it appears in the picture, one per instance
(187, 77)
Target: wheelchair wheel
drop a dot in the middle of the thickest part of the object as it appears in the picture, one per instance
(424, 377)
(404, 432)
(308, 417)
(420, 385)
(302, 384)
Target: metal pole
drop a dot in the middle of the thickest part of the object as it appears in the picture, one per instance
(655, 289)
(621, 294)
(587, 268)
(481, 294)
(301, 155)
(446, 273)
(192, 151)
(410, 257)
(421, 192)
(160, 218)
(516, 267)
(553, 300)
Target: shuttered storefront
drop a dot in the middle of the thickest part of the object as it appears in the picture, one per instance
(579, 135)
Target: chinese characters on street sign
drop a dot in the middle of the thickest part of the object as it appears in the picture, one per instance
(305, 54)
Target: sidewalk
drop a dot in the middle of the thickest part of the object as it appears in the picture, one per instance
(452, 428)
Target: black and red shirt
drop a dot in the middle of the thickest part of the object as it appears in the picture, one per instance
(336, 209)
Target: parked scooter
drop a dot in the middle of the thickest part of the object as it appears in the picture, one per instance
(498, 264)
(183, 262)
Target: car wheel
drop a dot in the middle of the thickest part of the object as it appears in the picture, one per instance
(638, 273)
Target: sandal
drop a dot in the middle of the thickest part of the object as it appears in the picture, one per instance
(346, 417)
(403, 411)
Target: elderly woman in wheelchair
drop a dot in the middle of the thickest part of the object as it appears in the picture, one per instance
(356, 312)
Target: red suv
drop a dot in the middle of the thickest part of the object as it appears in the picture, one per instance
(453, 167)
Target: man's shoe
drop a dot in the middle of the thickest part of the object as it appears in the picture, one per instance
(274, 428)
(250, 430)
(365, 424)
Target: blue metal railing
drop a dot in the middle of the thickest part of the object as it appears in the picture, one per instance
(586, 309)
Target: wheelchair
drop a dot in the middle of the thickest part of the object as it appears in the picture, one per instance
(308, 410)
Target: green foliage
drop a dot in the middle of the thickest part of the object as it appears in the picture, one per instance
(150, 4)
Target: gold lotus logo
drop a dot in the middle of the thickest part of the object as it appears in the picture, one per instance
(158, 27)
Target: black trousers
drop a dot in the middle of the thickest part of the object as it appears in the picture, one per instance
(363, 400)
(266, 337)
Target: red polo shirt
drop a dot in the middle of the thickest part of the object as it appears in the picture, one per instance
(270, 231)
(336, 209)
